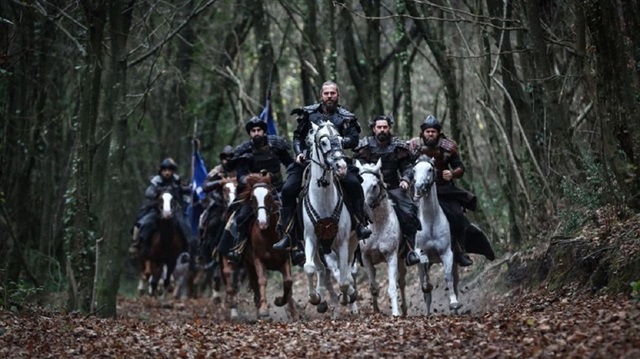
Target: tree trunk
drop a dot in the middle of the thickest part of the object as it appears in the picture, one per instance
(112, 248)
(79, 212)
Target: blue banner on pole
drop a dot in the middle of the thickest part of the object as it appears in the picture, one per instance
(267, 116)
(196, 207)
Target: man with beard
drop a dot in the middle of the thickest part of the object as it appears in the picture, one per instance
(211, 219)
(346, 123)
(396, 167)
(433, 143)
(260, 152)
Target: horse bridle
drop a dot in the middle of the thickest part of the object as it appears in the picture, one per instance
(426, 187)
(269, 188)
(382, 193)
(335, 152)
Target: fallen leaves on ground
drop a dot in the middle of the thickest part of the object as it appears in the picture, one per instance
(540, 324)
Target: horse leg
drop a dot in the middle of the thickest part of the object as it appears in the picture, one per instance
(321, 281)
(230, 298)
(287, 295)
(452, 285)
(426, 286)
(216, 284)
(374, 288)
(310, 252)
(261, 276)
(402, 283)
(348, 293)
(392, 274)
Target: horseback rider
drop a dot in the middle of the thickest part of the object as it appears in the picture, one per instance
(396, 167)
(167, 179)
(213, 186)
(433, 143)
(328, 109)
(260, 152)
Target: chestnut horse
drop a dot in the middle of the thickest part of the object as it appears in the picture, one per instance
(165, 247)
(259, 256)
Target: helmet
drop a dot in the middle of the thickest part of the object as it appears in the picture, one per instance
(255, 122)
(430, 122)
(227, 152)
(373, 120)
(168, 163)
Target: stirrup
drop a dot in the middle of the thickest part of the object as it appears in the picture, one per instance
(362, 231)
(234, 257)
(298, 257)
(412, 258)
(463, 260)
(283, 244)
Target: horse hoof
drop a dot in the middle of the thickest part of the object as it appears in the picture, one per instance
(217, 300)
(263, 313)
(322, 307)
(343, 299)
(315, 299)
(427, 288)
(280, 301)
(455, 306)
(234, 313)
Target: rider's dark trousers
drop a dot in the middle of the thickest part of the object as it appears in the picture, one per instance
(292, 186)
(457, 220)
(406, 210)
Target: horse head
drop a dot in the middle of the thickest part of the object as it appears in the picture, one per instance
(166, 204)
(424, 176)
(326, 142)
(229, 192)
(261, 196)
(373, 185)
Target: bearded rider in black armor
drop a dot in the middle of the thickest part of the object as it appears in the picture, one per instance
(261, 152)
(347, 125)
(397, 171)
(213, 186)
(453, 199)
(166, 179)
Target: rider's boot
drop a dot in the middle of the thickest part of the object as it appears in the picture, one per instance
(362, 229)
(283, 227)
(412, 257)
(135, 240)
(458, 254)
(235, 254)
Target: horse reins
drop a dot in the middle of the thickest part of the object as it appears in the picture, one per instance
(382, 194)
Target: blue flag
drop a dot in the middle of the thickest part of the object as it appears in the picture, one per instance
(196, 207)
(267, 116)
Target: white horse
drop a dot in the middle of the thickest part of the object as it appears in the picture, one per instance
(327, 223)
(433, 242)
(385, 239)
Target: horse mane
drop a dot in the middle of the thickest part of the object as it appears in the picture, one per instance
(252, 179)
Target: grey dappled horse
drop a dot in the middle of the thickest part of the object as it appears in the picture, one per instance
(433, 242)
(383, 245)
(327, 223)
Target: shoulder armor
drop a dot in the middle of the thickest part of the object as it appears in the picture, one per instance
(242, 149)
(364, 142)
(311, 108)
(448, 145)
(278, 142)
(345, 113)
(156, 180)
(400, 143)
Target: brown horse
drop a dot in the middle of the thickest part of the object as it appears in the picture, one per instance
(260, 256)
(165, 246)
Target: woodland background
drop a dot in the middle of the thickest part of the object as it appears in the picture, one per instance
(541, 96)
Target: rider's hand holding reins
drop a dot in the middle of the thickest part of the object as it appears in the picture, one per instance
(300, 158)
(404, 185)
(447, 175)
